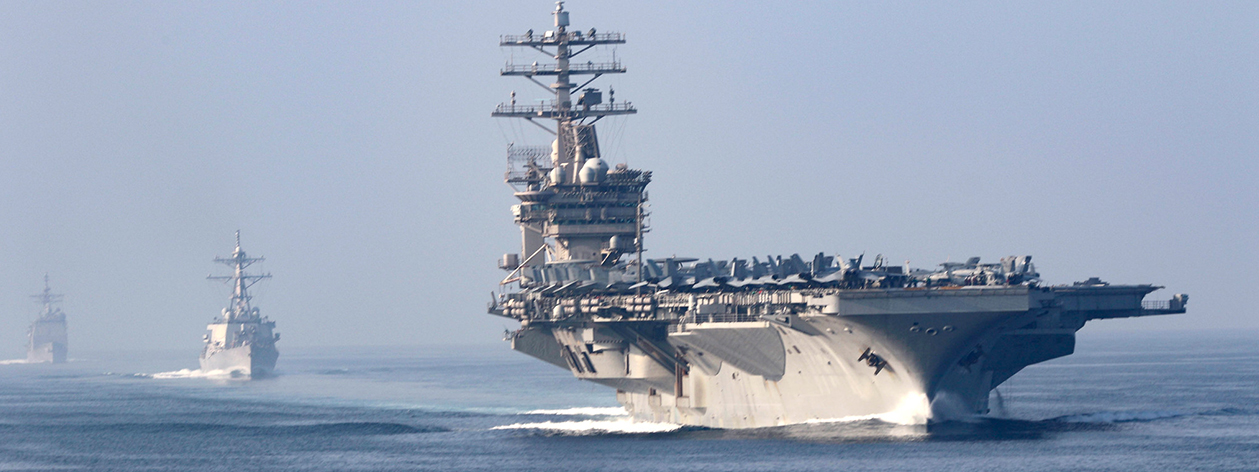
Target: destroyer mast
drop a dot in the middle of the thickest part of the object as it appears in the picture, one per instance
(240, 341)
(238, 308)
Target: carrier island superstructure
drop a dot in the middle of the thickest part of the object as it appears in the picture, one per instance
(748, 342)
(46, 340)
(240, 341)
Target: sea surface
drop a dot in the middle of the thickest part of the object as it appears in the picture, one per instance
(1124, 401)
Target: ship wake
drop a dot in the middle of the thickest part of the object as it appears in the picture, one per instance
(592, 427)
(192, 374)
(601, 421)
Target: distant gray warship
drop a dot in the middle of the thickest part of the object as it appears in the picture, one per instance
(240, 341)
(749, 343)
(46, 340)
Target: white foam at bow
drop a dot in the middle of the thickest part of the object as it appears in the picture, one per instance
(193, 374)
(13, 361)
(581, 411)
(914, 409)
(592, 427)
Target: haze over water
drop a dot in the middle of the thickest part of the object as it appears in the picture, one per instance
(351, 145)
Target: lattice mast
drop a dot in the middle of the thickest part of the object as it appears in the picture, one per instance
(589, 212)
(47, 298)
(239, 309)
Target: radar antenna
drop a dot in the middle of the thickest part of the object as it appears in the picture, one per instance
(573, 207)
(47, 298)
(241, 281)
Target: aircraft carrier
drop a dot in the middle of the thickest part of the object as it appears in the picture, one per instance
(240, 341)
(743, 343)
(46, 340)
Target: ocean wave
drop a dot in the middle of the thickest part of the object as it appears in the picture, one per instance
(12, 361)
(1233, 411)
(1120, 416)
(312, 429)
(593, 427)
(581, 411)
(18, 465)
(125, 374)
(333, 372)
(364, 429)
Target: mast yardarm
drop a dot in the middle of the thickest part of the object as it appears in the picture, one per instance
(241, 281)
(47, 298)
(573, 208)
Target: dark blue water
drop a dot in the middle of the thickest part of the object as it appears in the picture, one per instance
(1135, 401)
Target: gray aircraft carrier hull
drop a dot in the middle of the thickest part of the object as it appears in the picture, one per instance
(937, 353)
(745, 343)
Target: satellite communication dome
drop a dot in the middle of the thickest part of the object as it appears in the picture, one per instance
(594, 171)
(557, 175)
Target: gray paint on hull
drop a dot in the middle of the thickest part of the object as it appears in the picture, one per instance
(539, 343)
(757, 351)
(52, 352)
(245, 360)
(944, 351)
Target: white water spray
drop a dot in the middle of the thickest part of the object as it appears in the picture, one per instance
(192, 374)
(913, 409)
(596, 427)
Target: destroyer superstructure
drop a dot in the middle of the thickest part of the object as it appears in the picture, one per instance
(240, 341)
(750, 342)
(46, 339)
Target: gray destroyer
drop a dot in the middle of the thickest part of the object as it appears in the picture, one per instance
(240, 341)
(742, 343)
(46, 339)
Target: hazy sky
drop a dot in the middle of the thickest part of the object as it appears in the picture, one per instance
(351, 143)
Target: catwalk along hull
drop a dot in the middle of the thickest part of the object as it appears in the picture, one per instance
(902, 355)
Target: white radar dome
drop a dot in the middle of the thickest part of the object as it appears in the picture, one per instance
(594, 171)
(557, 175)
